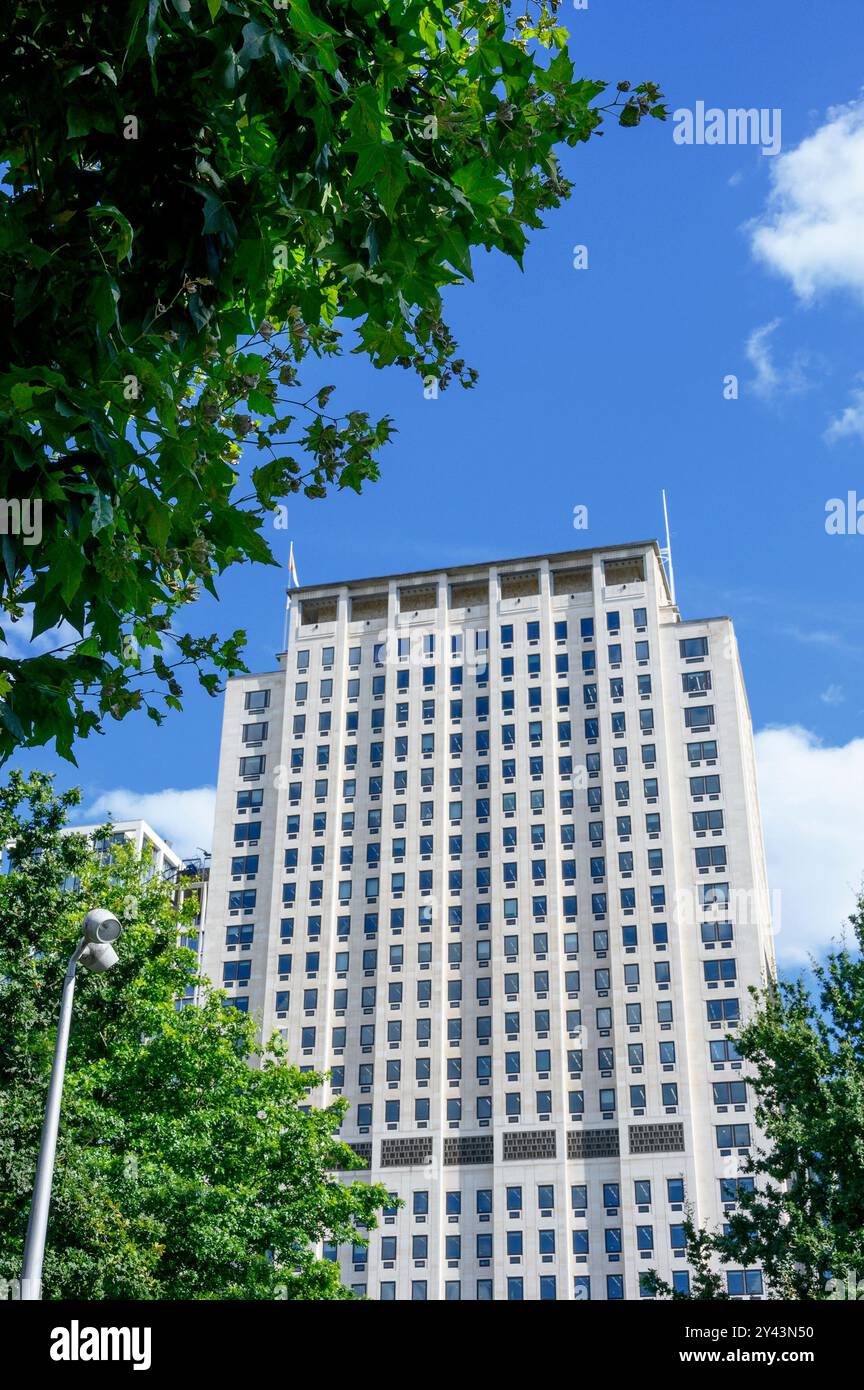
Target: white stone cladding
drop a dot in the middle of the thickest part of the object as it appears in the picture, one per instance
(521, 964)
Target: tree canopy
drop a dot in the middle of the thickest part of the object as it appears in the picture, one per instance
(205, 201)
(803, 1221)
(182, 1170)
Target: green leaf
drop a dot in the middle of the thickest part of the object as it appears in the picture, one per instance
(122, 243)
(152, 27)
(10, 556)
(217, 218)
(155, 518)
(391, 177)
(199, 311)
(366, 119)
(478, 182)
(11, 722)
(79, 122)
(22, 394)
(228, 69)
(455, 249)
(305, 22)
(260, 404)
(103, 299)
(102, 512)
(74, 561)
(254, 37)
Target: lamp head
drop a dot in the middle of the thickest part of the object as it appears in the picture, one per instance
(101, 927)
(98, 957)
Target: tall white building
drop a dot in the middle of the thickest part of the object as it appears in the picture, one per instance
(488, 849)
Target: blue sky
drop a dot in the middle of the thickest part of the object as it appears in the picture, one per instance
(600, 386)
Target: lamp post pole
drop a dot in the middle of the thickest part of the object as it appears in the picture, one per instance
(34, 1248)
(95, 952)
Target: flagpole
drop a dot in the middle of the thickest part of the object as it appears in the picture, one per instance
(292, 578)
(667, 552)
(287, 619)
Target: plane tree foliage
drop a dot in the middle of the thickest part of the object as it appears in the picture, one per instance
(192, 1160)
(799, 1217)
(204, 204)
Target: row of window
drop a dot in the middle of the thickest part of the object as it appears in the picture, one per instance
(252, 800)
(514, 1242)
(692, 683)
(713, 856)
(533, 666)
(258, 733)
(535, 833)
(456, 780)
(724, 1092)
(745, 1283)
(244, 831)
(253, 768)
(514, 1198)
(243, 933)
(400, 647)
(698, 718)
(717, 1012)
(455, 1109)
(709, 895)
(721, 1052)
(714, 971)
(506, 633)
(535, 765)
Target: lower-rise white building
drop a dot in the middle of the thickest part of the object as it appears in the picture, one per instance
(141, 836)
(188, 877)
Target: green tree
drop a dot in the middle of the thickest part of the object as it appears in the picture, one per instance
(201, 199)
(803, 1223)
(189, 1162)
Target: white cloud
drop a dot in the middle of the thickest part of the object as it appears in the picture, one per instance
(814, 637)
(849, 424)
(833, 695)
(812, 228)
(770, 380)
(20, 643)
(184, 818)
(812, 800)
(758, 349)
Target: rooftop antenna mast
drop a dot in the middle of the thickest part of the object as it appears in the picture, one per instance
(666, 551)
(287, 621)
(292, 578)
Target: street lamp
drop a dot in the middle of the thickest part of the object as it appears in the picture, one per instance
(96, 953)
